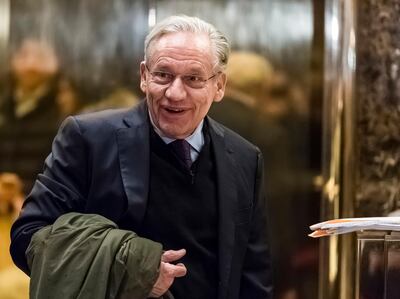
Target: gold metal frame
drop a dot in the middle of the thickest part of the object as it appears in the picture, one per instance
(337, 254)
(4, 29)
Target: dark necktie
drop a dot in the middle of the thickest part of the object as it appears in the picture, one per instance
(182, 149)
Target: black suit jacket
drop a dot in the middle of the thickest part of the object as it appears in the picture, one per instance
(100, 164)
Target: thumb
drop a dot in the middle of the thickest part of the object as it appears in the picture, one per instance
(171, 270)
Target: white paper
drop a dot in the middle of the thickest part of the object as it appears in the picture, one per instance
(347, 225)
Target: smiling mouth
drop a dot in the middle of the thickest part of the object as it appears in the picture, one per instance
(174, 110)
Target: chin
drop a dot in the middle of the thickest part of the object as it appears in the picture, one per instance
(178, 134)
(173, 131)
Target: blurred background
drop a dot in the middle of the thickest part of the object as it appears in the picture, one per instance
(65, 57)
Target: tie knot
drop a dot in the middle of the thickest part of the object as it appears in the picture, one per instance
(182, 149)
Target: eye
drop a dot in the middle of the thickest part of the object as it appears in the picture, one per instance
(163, 76)
(193, 78)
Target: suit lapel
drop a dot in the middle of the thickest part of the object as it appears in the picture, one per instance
(134, 148)
(227, 201)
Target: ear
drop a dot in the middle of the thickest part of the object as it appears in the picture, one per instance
(221, 83)
(143, 77)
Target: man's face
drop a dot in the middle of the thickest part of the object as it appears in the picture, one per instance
(33, 64)
(177, 108)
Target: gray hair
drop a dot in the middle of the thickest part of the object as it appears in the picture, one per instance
(183, 23)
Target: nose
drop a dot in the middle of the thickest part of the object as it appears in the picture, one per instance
(176, 90)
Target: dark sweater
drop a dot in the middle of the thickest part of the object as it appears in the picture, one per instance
(182, 213)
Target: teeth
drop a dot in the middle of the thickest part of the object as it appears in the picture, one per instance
(175, 109)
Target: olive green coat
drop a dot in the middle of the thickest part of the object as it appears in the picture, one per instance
(84, 256)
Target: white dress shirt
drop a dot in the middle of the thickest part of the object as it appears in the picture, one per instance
(196, 139)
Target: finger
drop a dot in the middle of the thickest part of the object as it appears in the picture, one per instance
(180, 270)
(172, 255)
(171, 270)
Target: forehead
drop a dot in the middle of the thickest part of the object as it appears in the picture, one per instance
(182, 47)
(35, 48)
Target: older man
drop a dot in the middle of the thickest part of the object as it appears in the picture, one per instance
(166, 171)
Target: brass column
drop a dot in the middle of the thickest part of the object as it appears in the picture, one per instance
(4, 30)
(337, 253)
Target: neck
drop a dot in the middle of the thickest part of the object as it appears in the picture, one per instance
(163, 135)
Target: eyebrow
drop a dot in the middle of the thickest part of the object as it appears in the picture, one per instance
(191, 71)
(162, 68)
(196, 71)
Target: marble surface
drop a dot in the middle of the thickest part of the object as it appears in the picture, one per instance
(377, 98)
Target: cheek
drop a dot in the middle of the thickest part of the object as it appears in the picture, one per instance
(153, 90)
(154, 96)
(202, 108)
(206, 100)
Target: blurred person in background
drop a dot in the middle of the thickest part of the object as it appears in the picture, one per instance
(265, 106)
(293, 183)
(28, 112)
(252, 108)
(249, 76)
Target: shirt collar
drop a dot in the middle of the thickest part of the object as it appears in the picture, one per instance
(196, 139)
(26, 102)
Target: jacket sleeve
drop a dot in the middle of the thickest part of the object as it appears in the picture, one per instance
(256, 281)
(61, 188)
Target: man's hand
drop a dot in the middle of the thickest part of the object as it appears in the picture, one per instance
(168, 272)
